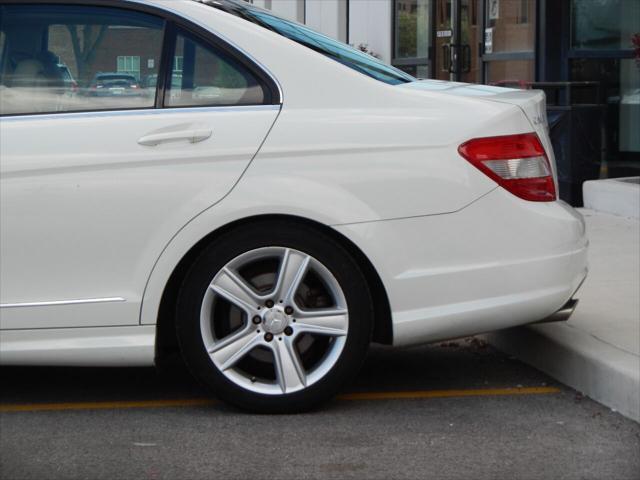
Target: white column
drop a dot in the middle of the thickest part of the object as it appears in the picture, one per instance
(262, 4)
(291, 9)
(328, 17)
(370, 23)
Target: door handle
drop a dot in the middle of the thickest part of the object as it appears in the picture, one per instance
(466, 58)
(453, 59)
(179, 133)
(446, 58)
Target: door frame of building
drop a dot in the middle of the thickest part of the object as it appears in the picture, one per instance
(465, 50)
(430, 60)
(484, 58)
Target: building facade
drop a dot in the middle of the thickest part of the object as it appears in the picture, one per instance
(584, 53)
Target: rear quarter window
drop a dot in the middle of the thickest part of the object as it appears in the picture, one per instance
(203, 75)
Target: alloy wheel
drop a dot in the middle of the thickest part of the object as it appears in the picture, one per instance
(274, 320)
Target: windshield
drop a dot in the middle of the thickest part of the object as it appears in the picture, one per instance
(338, 51)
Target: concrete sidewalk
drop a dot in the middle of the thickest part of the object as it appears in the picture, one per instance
(597, 351)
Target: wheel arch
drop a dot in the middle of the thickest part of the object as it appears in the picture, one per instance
(166, 344)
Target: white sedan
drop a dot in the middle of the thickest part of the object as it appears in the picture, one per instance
(271, 203)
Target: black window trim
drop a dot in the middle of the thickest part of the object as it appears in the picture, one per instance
(172, 21)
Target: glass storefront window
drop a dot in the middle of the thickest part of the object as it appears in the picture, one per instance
(412, 29)
(619, 90)
(510, 73)
(418, 71)
(511, 25)
(604, 24)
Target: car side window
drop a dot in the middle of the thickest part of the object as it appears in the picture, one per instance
(2, 44)
(63, 58)
(204, 75)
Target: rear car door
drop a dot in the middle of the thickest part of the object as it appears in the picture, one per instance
(97, 176)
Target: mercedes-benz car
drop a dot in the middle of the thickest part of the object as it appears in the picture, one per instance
(312, 201)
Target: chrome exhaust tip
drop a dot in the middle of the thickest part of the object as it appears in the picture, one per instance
(563, 314)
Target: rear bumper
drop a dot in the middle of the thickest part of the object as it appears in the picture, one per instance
(498, 263)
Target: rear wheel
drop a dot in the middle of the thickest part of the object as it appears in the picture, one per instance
(274, 317)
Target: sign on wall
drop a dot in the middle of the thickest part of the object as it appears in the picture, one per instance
(488, 40)
(494, 9)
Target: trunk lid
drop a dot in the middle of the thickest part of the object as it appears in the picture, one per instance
(531, 102)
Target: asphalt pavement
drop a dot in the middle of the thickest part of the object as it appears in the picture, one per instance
(453, 410)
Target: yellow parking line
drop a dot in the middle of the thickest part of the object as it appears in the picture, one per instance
(191, 402)
(115, 405)
(481, 392)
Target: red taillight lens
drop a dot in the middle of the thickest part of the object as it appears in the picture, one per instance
(518, 163)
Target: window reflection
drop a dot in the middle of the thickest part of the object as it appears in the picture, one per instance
(619, 91)
(510, 27)
(512, 24)
(511, 73)
(77, 58)
(412, 28)
(604, 24)
(338, 51)
(203, 76)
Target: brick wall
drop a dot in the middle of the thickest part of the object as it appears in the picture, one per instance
(117, 41)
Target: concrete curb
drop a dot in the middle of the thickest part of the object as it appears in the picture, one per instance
(597, 351)
(618, 196)
(601, 371)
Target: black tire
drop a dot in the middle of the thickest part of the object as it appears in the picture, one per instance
(282, 233)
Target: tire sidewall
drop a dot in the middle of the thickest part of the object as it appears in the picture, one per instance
(304, 238)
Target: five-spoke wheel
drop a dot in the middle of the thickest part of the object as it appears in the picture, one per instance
(298, 300)
(274, 321)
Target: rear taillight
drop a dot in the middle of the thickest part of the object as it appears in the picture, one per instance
(518, 163)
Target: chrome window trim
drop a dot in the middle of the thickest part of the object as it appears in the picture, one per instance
(145, 111)
(63, 302)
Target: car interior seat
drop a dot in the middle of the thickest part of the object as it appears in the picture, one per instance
(29, 73)
(39, 82)
(39, 71)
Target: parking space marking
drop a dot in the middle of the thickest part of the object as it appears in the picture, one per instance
(114, 405)
(194, 402)
(481, 392)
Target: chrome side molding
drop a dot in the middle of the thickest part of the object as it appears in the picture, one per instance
(62, 302)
